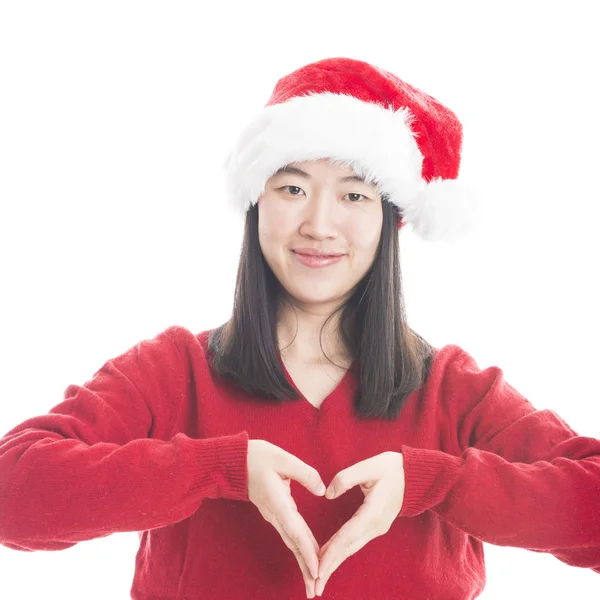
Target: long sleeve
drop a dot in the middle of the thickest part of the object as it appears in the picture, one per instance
(524, 478)
(94, 466)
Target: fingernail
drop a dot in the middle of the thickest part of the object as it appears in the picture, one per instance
(321, 489)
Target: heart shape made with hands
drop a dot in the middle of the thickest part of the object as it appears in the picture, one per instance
(381, 479)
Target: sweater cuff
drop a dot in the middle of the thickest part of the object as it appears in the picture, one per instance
(428, 475)
(218, 466)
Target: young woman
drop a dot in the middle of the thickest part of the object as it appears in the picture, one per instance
(215, 446)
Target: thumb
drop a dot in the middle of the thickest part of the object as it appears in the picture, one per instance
(294, 468)
(348, 478)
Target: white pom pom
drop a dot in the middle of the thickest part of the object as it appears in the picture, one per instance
(445, 210)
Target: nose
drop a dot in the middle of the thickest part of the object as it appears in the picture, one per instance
(319, 219)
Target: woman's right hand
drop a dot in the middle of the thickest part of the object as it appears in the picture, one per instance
(270, 471)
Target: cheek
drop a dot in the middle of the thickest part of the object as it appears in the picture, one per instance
(274, 224)
(364, 238)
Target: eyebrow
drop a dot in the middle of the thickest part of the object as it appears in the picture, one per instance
(301, 173)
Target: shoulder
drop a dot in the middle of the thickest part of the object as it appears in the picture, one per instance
(184, 336)
(455, 371)
(464, 386)
(446, 360)
(184, 340)
(170, 344)
(452, 357)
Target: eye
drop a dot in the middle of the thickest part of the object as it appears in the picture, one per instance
(291, 186)
(352, 194)
(349, 194)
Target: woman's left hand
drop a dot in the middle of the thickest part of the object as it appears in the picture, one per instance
(381, 479)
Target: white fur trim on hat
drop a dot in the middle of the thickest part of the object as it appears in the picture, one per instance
(376, 142)
(445, 210)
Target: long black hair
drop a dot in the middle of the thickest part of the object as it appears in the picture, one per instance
(393, 360)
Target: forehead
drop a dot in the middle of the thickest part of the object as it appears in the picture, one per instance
(322, 164)
(304, 169)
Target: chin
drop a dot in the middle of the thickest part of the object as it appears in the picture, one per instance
(317, 296)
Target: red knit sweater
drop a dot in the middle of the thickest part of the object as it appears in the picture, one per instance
(156, 443)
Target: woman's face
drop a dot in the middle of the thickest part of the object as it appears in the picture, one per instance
(319, 211)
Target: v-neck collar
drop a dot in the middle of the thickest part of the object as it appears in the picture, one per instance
(337, 392)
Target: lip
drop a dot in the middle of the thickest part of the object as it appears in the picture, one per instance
(316, 252)
(316, 261)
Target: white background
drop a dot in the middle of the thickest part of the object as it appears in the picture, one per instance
(115, 119)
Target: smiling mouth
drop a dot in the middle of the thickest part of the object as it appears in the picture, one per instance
(318, 260)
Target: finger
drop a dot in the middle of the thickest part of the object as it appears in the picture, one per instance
(291, 466)
(335, 558)
(351, 537)
(323, 550)
(304, 541)
(355, 528)
(337, 553)
(309, 580)
(298, 532)
(312, 537)
(315, 545)
(365, 472)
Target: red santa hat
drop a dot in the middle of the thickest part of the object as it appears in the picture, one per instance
(390, 133)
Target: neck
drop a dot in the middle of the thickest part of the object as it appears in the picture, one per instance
(300, 338)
